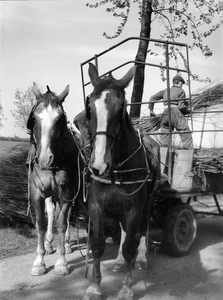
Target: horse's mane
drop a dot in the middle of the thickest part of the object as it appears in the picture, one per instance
(31, 121)
(49, 97)
(128, 122)
(108, 82)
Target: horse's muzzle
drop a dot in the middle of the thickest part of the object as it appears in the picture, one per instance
(100, 170)
(45, 162)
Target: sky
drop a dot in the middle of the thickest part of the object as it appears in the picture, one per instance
(46, 42)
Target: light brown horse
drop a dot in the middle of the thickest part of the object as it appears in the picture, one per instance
(53, 172)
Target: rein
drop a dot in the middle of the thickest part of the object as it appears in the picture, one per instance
(115, 182)
(128, 158)
(59, 190)
(103, 133)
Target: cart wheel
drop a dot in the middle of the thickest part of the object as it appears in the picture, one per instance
(179, 229)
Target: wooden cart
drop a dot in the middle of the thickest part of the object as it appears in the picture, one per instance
(182, 180)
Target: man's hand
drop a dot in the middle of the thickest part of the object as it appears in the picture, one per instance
(152, 114)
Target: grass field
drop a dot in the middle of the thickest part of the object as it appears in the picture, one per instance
(16, 240)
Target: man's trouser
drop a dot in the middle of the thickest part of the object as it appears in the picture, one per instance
(179, 123)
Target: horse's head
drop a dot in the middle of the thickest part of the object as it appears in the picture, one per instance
(46, 123)
(104, 110)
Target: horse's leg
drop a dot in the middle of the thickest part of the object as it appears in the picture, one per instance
(93, 292)
(141, 260)
(129, 250)
(50, 209)
(118, 263)
(61, 268)
(39, 267)
(67, 233)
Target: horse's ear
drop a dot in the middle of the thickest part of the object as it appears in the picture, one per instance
(125, 80)
(64, 94)
(36, 91)
(93, 74)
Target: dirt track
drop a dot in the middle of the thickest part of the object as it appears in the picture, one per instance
(197, 276)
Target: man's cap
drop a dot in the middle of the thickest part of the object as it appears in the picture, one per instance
(178, 77)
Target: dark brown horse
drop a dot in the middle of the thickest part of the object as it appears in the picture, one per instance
(123, 175)
(53, 172)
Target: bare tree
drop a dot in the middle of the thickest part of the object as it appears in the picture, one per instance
(179, 18)
(24, 101)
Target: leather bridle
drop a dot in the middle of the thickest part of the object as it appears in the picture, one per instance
(103, 133)
(30, 127)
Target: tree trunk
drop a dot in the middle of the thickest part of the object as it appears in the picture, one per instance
(138, 85)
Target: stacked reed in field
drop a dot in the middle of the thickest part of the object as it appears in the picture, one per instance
(13, 184)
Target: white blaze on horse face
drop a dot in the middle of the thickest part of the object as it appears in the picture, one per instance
(47, 116)
(100, 140)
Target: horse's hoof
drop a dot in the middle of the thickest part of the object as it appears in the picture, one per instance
(68, 249)
(141, 264)
(61, 270)
(92, 293)
(38, 270)
(49, 250)
(90, 296)
(125, 294)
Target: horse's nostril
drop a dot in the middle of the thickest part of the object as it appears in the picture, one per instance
(51, 157)
(108, 167)
(95, 171)
(100, 172)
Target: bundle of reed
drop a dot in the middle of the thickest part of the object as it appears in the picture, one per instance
(13, 184)
(207, 97)
(147, 124)
(209, 160)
